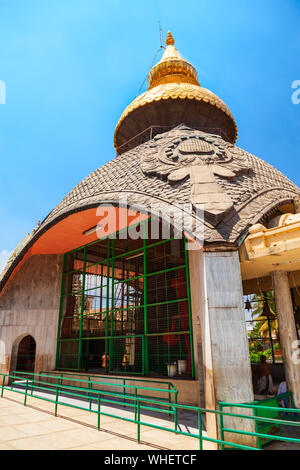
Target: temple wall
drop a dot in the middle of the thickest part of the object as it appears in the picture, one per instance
(30, 306)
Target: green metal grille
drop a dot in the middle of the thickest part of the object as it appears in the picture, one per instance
(125, 308)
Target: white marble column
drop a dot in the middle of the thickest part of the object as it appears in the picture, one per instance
(287, 333)
(217, 300)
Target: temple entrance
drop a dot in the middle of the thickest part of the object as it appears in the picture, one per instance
(26, 354)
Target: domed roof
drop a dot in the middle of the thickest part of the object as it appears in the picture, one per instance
(174, 96)
(157, 170)
(168, 171)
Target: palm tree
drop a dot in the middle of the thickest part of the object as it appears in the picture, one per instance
(265, 307)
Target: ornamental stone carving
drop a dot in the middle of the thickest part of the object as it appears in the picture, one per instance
(200, 157)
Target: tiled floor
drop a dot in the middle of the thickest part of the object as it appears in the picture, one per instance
(35, 427)
(23, 428)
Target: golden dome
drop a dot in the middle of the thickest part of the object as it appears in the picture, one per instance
(173, 79)
(172, 68)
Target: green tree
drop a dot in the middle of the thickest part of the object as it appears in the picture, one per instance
(265, 304)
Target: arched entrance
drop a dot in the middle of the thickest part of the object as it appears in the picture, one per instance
(26, 354)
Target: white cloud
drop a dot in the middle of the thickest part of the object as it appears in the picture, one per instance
(4, 255)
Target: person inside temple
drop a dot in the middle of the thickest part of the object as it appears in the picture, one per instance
(263, 382)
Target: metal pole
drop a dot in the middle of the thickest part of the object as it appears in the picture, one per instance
(107, 342)
(221, 426)
(90, 394)
(82, 309)
(176, 411)
(124, 392)
(259, 442)
(135, 410)
(60, 313)
(271, 340)
(200, 430)
(99, 404)
(139, 421)
(12, 381)
(3, 382)
(56, 400)
(189, 306)
(26, 388)
(145, 341)
(112, 312)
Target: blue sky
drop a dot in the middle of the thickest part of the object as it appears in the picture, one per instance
(71, 67)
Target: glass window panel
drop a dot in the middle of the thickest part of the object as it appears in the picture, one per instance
(92, 354)
(68, 357)
(166, 286)
(93, 325)
(126, 355)
(169, 350)
(104, 308)
(129, 321)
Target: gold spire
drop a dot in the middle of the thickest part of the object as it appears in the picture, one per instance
(172, 68)
(170, 40)
(173, 86)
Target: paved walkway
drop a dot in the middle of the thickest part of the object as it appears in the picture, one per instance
(28, 428)
(34, 427)
(287, 431)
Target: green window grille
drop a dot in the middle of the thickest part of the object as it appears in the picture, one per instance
(125, 308)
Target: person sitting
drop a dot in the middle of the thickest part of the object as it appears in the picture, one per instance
(262, 374)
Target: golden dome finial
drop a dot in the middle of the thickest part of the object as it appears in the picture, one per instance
(172, 68)
(170, 40)
(172, 81)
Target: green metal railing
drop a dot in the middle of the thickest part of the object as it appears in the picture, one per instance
(123, 380)
(140, 404)
(171, 391)
(59, 391)
(261, 419)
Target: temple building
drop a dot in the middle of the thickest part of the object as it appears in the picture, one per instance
(77, 297)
